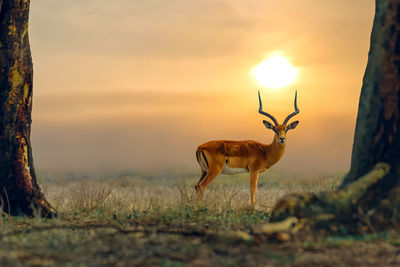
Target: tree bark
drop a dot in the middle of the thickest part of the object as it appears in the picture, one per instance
(19, 191)
(369, 196)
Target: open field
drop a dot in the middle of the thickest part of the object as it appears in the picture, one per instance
(154, 220)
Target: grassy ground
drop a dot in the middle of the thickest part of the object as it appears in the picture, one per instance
(147, 220)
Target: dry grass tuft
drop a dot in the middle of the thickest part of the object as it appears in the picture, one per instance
(88, 196)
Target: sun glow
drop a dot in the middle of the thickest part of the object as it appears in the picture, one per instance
(275, 72)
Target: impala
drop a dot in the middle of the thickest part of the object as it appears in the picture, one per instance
(232, 157)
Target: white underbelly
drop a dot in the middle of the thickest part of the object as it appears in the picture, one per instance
(229, 170)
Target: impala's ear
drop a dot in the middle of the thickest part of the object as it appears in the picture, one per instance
(292, 125)
(268, 125)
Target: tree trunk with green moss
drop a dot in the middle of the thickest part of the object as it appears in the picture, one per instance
(19, 191)
(369, 197)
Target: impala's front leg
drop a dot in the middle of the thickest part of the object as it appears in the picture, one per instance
(253, 187)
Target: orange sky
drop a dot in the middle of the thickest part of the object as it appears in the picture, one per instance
(133, 84)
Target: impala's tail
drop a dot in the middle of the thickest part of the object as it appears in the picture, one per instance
(202, 159)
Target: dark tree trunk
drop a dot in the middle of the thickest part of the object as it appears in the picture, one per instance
(377, 135)
(369, 197)
(19, 191)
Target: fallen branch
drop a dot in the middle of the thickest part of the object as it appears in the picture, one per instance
(324, 205)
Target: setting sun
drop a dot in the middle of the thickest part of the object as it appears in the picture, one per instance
(275, 72)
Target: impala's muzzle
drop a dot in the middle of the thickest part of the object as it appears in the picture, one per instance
(282, 140)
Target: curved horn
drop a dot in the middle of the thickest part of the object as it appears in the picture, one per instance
(296, 110)
(265, 113)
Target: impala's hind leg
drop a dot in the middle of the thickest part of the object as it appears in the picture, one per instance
(208, 178)
(211, 166)
(203, 174)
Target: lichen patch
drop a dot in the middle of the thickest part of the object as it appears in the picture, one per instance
(15, 77)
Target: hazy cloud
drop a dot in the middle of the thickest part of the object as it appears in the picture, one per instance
(173, 28)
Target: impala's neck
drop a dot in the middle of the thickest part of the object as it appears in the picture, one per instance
(275, 151)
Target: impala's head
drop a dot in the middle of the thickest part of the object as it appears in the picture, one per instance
(280, 129)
